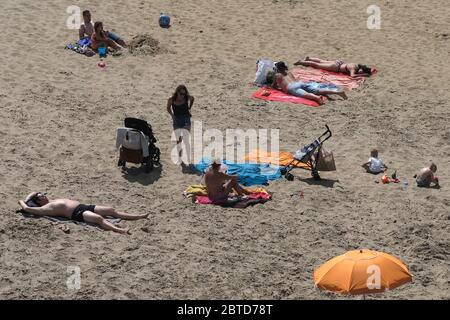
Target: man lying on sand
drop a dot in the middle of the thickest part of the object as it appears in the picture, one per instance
(87, 30)
(219, 184)
(426, 176)
(351, 69)
(72, 209)
(285, 81)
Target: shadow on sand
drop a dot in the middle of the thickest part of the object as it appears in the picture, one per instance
(190, 169)
(138, 174)
(327, 183)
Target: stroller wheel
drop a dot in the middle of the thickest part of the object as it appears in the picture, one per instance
(289, 176)
(315, 175)
(149, 166)
(156, 156)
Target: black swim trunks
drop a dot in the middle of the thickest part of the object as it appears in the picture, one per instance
(77, 214)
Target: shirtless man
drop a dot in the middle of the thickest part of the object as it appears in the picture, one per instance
(72, 209)
(285, 81)
(426, 176)
(87, 30)
(219, 184)
(351, 69)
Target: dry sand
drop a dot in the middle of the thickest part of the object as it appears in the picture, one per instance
(60, 112)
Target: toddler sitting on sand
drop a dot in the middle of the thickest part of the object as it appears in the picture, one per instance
(374, 164)
(426, 176)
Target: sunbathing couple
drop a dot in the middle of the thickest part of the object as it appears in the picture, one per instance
(98, 37)
(72, 209)
(285, 81)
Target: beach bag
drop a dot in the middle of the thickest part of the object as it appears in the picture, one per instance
(326, 161)
(263, 66)
(128, 155)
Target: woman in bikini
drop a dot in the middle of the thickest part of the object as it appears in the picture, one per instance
(100, 38)
(351, 69)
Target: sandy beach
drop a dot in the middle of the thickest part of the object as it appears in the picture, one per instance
(60, 114)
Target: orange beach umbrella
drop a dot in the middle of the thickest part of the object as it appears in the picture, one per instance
(362, 272)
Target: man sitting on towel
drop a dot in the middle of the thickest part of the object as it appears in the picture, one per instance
(38, 204)
(219, 185)
(285, 81)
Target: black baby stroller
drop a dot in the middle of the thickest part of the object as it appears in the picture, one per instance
(137, 144)
(309, 158)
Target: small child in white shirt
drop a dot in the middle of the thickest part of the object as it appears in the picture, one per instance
(374, 164)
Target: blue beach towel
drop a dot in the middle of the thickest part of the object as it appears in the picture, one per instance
(84, 42)
(81, 46)
(249, 174)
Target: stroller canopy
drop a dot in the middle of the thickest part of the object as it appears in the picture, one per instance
(140, 125)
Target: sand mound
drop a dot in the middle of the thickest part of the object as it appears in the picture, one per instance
(144, 44)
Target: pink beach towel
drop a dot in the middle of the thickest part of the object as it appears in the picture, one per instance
(276, 95)
(319, 75)
(253, 198)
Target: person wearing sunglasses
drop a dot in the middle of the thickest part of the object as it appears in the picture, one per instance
(179, 107)
(37, 203)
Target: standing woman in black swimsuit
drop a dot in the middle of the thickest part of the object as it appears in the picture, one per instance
(179, 107)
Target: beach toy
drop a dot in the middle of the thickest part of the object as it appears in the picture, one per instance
(102, 52)
(394, 175)
(102, 64)
(299, 193)
(385, 179)
(164, 20)
(405, 184)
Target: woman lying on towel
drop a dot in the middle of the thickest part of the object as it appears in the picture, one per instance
(285, 81)
(351, 69)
